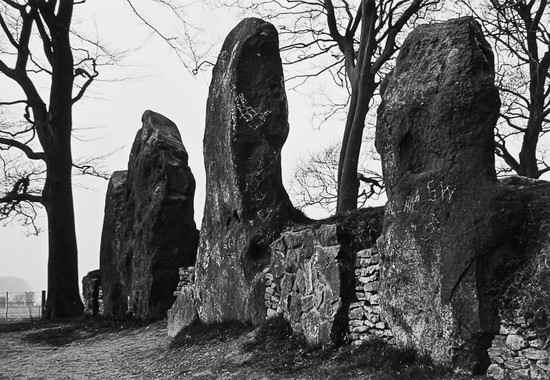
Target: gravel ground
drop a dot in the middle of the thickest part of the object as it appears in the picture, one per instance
(65, 352)
(84, 350)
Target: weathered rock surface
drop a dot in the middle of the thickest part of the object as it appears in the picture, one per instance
(114, 259)
(91, 290)
(161, 194)
(149, 230)
(435, 136)
(246, 205)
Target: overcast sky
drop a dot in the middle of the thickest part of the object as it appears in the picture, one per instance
(107, 120)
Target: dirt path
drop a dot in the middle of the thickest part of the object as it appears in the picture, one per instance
(62, 352)
(79, 350)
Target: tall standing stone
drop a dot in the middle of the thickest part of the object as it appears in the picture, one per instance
(149, 229)
(246, 204)
(435, 136)
(113, 255)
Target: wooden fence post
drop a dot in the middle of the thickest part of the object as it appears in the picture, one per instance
(7, 303)
(43, 304)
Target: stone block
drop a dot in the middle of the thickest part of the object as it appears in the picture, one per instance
(515, 342)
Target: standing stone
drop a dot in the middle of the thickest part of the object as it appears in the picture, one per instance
(113, 256)
(91, 285)
(149, 229)
(435, 136)
(246, 205)
(161, 193)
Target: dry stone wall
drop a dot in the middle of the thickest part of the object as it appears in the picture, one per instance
(521, 264)
(324, 284)
(184, 309)
(519, 352)
(303, 281)
(186, 278)
(365, 320)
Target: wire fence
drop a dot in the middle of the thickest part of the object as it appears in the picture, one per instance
(16, 306)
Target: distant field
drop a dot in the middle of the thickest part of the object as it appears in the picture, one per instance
(20, 306)
(18, 312)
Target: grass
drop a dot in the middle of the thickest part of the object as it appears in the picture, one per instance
(277, 349)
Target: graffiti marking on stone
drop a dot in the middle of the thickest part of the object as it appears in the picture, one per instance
(247, 113)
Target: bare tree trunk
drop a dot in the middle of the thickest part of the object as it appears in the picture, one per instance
(363, 86)
(348, 182)
(528, 166)
(347, 129)
(63, 294)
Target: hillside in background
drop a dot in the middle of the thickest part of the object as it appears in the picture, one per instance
(13, 284)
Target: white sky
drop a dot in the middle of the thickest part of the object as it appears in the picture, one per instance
(110, 116)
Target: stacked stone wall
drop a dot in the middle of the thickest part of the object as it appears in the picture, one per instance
(518, 352)
(184, 310)
(324, 287)
(303, 281)
(364, 320)
(186, 279)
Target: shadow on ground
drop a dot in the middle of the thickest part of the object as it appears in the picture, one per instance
(63, 332)
(199, 333)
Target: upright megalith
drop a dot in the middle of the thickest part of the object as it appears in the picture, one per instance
(91, 293)
(435, 137)
(246, 205)
(149, 229)
(114, 255)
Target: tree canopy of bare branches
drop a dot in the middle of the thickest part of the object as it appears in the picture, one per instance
(315, 182)
(36, 50)
(518, 30)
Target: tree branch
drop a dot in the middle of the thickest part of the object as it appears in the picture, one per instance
(24, 148)
(24, 197)
(7, 32)
(503, 152)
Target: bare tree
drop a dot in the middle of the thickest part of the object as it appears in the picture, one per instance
(186, 42)
(36, 50)
(315, 181)
(20, 177)
(518, 30)
(353, 42)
